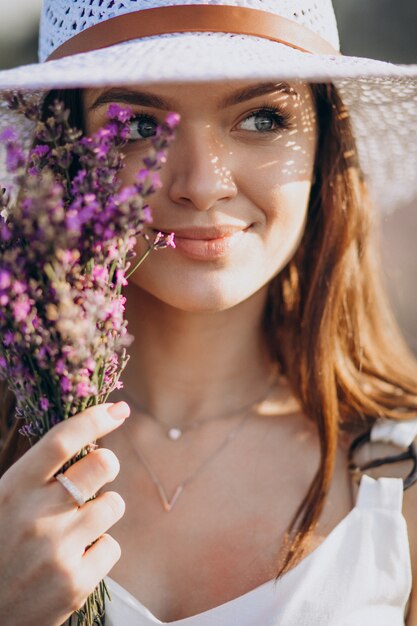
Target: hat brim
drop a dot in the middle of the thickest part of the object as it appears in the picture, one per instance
(381, 97)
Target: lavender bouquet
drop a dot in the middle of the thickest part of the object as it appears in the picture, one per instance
(66, 251)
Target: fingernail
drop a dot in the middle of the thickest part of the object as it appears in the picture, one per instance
(119, 411)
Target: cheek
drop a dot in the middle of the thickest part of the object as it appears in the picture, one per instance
(285, 223)
(279, 187)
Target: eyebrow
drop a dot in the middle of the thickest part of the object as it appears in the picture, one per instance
(148, 99)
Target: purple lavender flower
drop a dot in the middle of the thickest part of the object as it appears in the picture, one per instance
(39, 151)
(100, 274)
(163, 240)
(66, 384)
(21, 309)
(147, 214)
(5, 234)
(122, 114)
(15, 158)
(44, 404)
(5, 279)
(84, 389)
(8, 135)
(66, 246)
(8, 338)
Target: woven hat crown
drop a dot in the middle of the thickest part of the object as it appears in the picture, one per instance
(63, 19)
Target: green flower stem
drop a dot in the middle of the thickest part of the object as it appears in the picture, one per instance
(141, 260)
(113, 268)
(92, 612)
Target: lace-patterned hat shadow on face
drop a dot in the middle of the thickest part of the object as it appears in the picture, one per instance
(101, 42)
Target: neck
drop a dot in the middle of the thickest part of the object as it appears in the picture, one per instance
(188, 365)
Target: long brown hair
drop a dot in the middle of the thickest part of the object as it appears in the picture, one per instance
(327, 321)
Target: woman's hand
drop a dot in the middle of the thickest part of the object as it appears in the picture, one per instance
(46, 573)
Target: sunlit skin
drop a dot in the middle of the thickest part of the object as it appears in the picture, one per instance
(199, 351)
(197, 322)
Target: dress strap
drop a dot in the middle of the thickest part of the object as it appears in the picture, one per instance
(401, 434)
(381, 493)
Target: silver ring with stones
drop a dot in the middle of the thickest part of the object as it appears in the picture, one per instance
(71, 488)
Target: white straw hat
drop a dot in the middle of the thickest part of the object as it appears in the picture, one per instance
(102, 42)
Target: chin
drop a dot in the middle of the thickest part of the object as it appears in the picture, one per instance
(198, 293)
(207, 301)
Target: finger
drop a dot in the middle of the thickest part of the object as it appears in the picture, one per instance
(88, 474)
(65, 440)
(96, 517)
(98, 561)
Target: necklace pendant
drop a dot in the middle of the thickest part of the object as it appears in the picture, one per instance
(174, 433)
(168, 505)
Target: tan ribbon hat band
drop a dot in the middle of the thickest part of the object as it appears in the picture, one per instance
(195, 18)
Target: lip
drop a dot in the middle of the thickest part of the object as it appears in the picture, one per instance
(207, 243)
(203, 232)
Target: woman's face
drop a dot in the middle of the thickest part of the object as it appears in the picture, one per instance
(236, 184)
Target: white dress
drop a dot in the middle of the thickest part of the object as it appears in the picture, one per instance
(360, 575)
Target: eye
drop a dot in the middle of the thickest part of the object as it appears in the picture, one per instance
(267, 120)
(142, 127)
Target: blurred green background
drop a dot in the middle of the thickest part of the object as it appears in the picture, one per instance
(384, 29)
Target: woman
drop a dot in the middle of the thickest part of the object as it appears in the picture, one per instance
(263, 341)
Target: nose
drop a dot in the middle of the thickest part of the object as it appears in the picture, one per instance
(198, 172)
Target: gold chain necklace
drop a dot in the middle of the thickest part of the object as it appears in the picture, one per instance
(176, 432)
